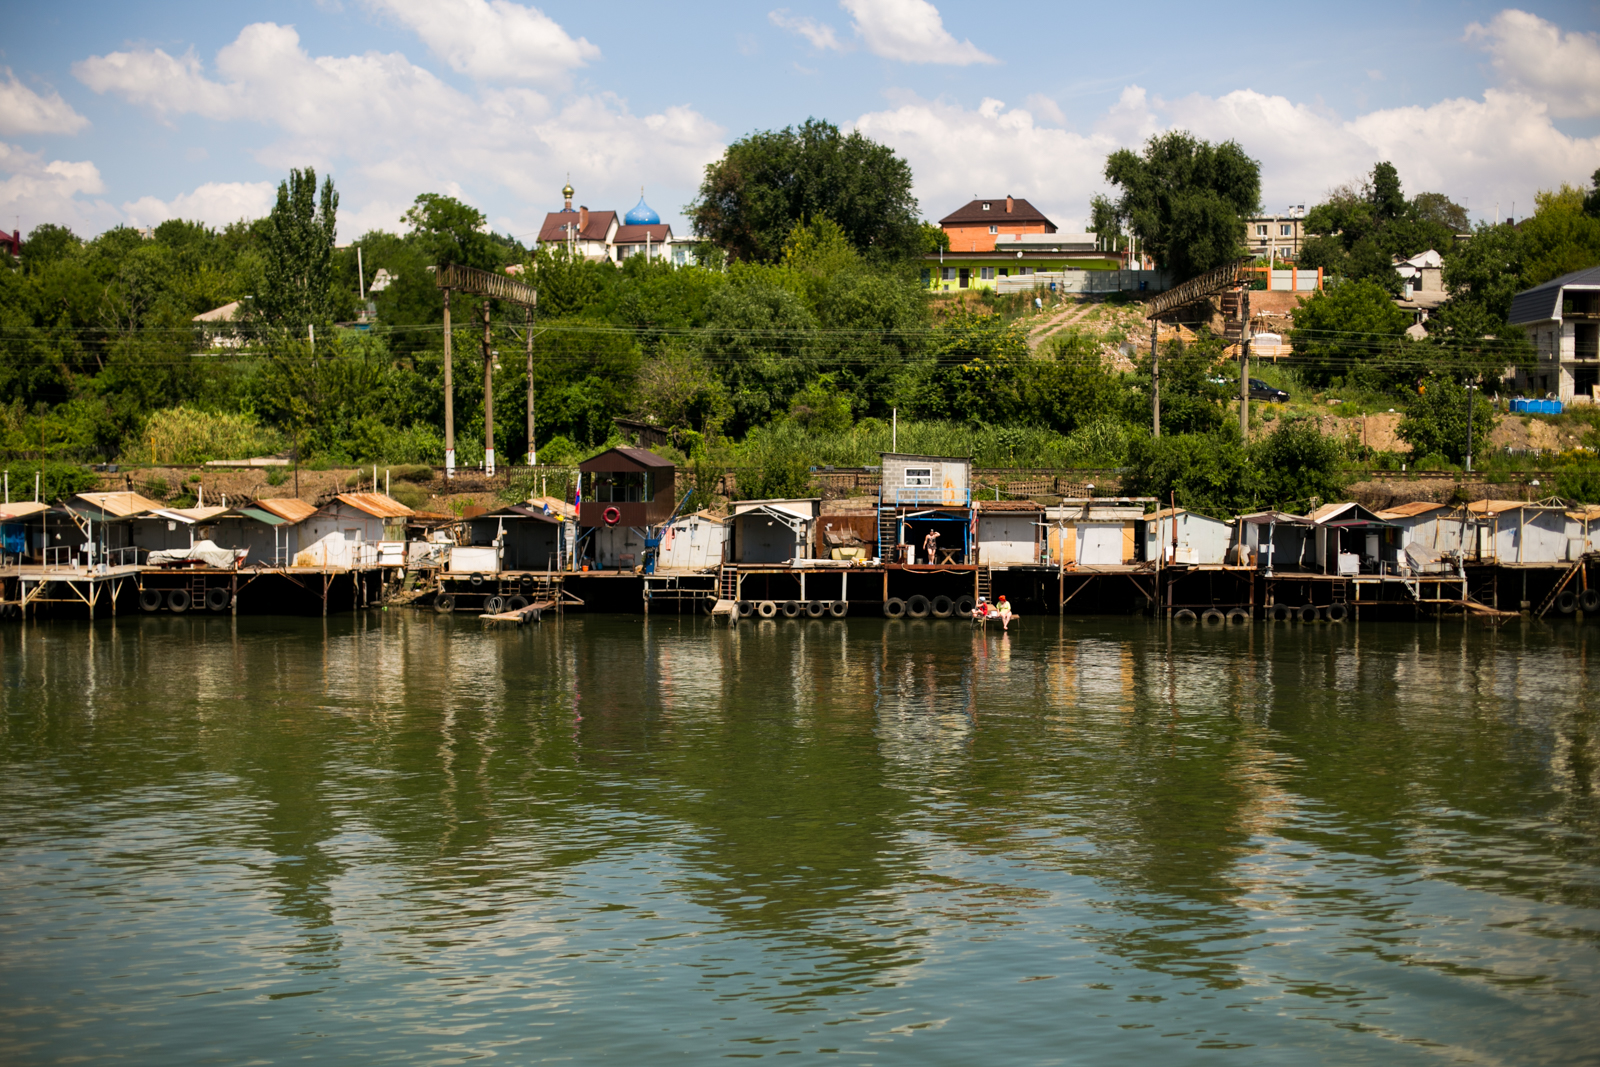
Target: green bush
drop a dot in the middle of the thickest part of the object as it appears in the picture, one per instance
(57, 480)
(1580, 483)
(409, 495)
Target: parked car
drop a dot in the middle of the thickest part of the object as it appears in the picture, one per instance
(1260, 390)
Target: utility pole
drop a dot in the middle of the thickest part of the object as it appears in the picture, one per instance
(1244, 365)
(1155, 381)
(449, 400)
(533, 449)
(1469, 425)
(488, 396)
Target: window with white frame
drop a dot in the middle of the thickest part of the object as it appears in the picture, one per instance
(994, 229)
(1285, 230)
(1026, 270)
(947, 274)
(1261, 231)
(986, 207)
(919, 477)
(986, 274)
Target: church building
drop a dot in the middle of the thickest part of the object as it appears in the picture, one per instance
(603, 235)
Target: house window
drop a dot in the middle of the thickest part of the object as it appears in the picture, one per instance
(994, 229)
(1285, 230)
(1003, 272)
(1261, 231)
(919, 476)
(986, 274)
(1026, 270)
(947, 274)
(986, 207)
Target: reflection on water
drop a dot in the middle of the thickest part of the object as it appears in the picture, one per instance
(405, 838)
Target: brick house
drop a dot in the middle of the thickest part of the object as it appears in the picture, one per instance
(979, 225)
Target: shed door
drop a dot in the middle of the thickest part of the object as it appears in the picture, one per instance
(766, 540)
(1100, 543)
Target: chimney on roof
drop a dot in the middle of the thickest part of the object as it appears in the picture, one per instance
(1010, 203)
(583, 219)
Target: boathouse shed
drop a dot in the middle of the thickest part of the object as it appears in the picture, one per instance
(1350, 538)
(632, 485)
(909, 481)
(1516, 531)
(1200, 539)
(774, 531)
(1278, 541)
(528, 536)
(1433, 526)
(349, 531)
(1096, 531)
(1009, 532)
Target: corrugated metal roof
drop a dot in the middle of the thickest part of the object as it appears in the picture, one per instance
(1411, 510)
(288, 508)
(120, 505)
(197, 514)
(1588, 513)
(376, 504)
(606, 461)
(1543, 302)
(1008, 505)
(263, 516)
(22, 509)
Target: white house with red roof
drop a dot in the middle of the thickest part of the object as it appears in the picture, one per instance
(597, 235)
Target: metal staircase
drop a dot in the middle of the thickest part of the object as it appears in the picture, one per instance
(888, 529)
(985, 584)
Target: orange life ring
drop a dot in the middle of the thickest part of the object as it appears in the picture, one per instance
(612, 516)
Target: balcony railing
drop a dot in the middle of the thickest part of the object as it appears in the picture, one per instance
(926, 495)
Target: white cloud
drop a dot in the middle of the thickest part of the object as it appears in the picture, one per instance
(214, 203)
(910, 31)
(492, 40)
(51, 192)
(389, 130)
(1562, 70)
(24, 111)
(1503, 147)
(820, 34)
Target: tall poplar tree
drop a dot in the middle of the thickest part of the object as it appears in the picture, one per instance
(297, 253)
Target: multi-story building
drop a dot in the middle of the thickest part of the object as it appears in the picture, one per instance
(1562, 319)
(981, 224)
(1276, 236)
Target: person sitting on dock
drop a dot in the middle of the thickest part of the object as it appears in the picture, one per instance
(930, 546)
(1004, 612)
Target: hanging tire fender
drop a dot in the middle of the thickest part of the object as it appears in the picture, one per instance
(894, 607)
(150, 600)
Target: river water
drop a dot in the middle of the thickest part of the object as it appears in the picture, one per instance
(406, 839)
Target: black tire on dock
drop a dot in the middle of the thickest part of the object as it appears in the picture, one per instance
(525, 582)
(218, 598)
(1184, 615)
(792, 609)
(747, 608)
(1238, 616)
(1337, 613)
(894, 607)
(516, 603)
(1212, 616)
(1282, 613)
(1589, 601)
(1308, 613)
(918, 607)
(767, 609)
(150, 600)
(943, 607)
(816, 609)
(444, 603)
(839, 608)
(476, 579)
(1567, 602)
(178, 601)
(964, 606)
(493, 605)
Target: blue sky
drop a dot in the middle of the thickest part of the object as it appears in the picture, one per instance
(136, 112)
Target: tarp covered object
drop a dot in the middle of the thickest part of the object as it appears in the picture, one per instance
(206, 552)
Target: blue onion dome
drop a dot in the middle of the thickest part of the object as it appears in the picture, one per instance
(642, 214)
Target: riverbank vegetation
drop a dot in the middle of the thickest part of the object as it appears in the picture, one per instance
(797, 342)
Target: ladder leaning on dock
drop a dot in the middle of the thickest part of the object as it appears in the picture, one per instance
(1555, 591)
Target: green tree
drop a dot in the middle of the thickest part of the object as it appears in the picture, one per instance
(1186, 199)
(450, 232)
(768, 181)
(1352, 330)
(1295, 465)
(1440, 210)
(297, 248)
(1206, 472)
(1559, 237)
(1436, 420)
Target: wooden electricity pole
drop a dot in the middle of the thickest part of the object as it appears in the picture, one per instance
(449, 400)
(1244, 366)
(533, 449)
(486, 284)
(488, 395)
(1155, 381)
